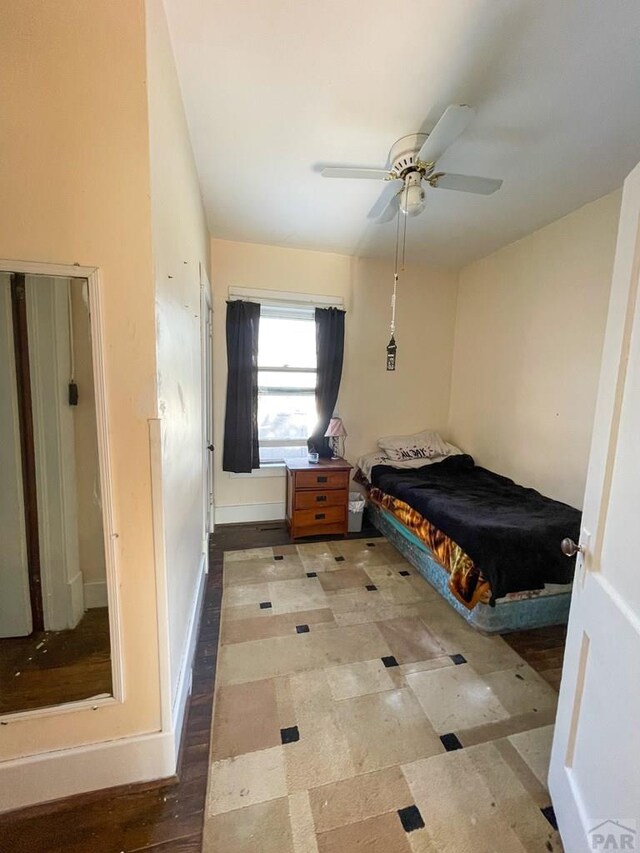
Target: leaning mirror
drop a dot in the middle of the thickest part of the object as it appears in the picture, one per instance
(54, 615)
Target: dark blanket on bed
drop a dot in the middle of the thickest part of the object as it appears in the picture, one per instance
(511, 533)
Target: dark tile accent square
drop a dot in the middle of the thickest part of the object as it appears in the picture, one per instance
(302, 629)
(312, 574)
(371, 544)
(458, 659)
(280, 557)
(371, 587)
(290, 735)
(339, 559)
(405, 574)
(410, 818)
(550, 815)
(265, 605)
(389, 660)
(450, 742)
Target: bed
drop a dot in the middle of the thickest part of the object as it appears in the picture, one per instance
(490, 547)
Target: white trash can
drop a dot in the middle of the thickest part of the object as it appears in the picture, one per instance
(356, 511)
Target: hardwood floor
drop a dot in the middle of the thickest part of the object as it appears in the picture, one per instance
(167, 817)
(51, 667)
(543, 649)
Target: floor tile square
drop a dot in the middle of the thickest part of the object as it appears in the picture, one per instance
(358, 679)
(302, 629)
(290, 734)
(312, 574)
(265, 605)
(245, 719)
(387, 728)
(410, 640)
(410, 818)
(354, 800)
(348, 578)
(458, 659)
(371, 587)
(381, 834)
(243, 780)
(261, 828)
(389, 660)
(456, 697)
(450, 742)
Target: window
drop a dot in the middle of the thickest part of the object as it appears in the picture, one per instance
(286, 381)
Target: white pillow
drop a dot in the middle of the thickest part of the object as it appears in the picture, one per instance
(423, 445)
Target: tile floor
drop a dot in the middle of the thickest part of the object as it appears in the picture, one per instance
(356, 711)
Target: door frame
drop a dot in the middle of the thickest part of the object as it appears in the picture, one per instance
(92, 275)
(206, 373)
(27, 446)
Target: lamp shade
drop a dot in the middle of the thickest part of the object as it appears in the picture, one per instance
(335, 429)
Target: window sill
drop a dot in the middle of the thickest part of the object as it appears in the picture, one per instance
(273, 469)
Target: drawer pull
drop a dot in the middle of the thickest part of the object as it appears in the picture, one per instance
(319, 516)
(321, 498)
(322, 479)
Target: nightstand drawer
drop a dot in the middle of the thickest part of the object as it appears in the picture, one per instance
(318, 500)
(322, 479)
(319, 517)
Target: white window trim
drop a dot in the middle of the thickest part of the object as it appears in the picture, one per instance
(273, 297)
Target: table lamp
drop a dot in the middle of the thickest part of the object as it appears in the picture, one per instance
(336, 433)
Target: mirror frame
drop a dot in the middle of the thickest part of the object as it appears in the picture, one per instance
(92, 276)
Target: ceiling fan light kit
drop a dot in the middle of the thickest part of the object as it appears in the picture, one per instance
(413, 160)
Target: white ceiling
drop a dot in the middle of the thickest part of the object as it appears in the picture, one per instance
(272, 88)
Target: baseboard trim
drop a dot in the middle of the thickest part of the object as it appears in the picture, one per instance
(49, 776)
(64, 773)
(183, 688)
(95, 594)
(250, 512)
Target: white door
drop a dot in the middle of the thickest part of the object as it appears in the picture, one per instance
(15, 603)
(207, 401)
(594, 776)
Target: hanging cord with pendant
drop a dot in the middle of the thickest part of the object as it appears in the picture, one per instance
(392, 347)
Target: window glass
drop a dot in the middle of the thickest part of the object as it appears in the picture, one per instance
(286, 382)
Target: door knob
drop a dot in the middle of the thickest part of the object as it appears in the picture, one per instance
(210, 447)
(569, 547)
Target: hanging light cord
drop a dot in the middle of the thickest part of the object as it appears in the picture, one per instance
(72, 355)
(395, 272)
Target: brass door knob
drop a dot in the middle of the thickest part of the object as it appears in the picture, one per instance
(569, 547)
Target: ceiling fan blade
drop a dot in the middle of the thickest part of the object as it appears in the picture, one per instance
(385, 197)
(390, 210)
(454, 120)
(346, 172)
(468, 183)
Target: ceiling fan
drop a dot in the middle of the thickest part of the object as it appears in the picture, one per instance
(413, 160)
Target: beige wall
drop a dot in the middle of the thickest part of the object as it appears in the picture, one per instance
(372, 402)
(180, 245)
(529, 333)
(74, 181)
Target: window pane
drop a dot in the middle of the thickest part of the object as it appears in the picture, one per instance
(287, 343)
(269, 379)
(284, 416)
(279, 454)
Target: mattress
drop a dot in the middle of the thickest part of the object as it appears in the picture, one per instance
(513, 533)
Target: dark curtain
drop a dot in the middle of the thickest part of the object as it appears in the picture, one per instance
(241, 452)
(330, 351)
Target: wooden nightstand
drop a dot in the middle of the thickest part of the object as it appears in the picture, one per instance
(317, 497)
